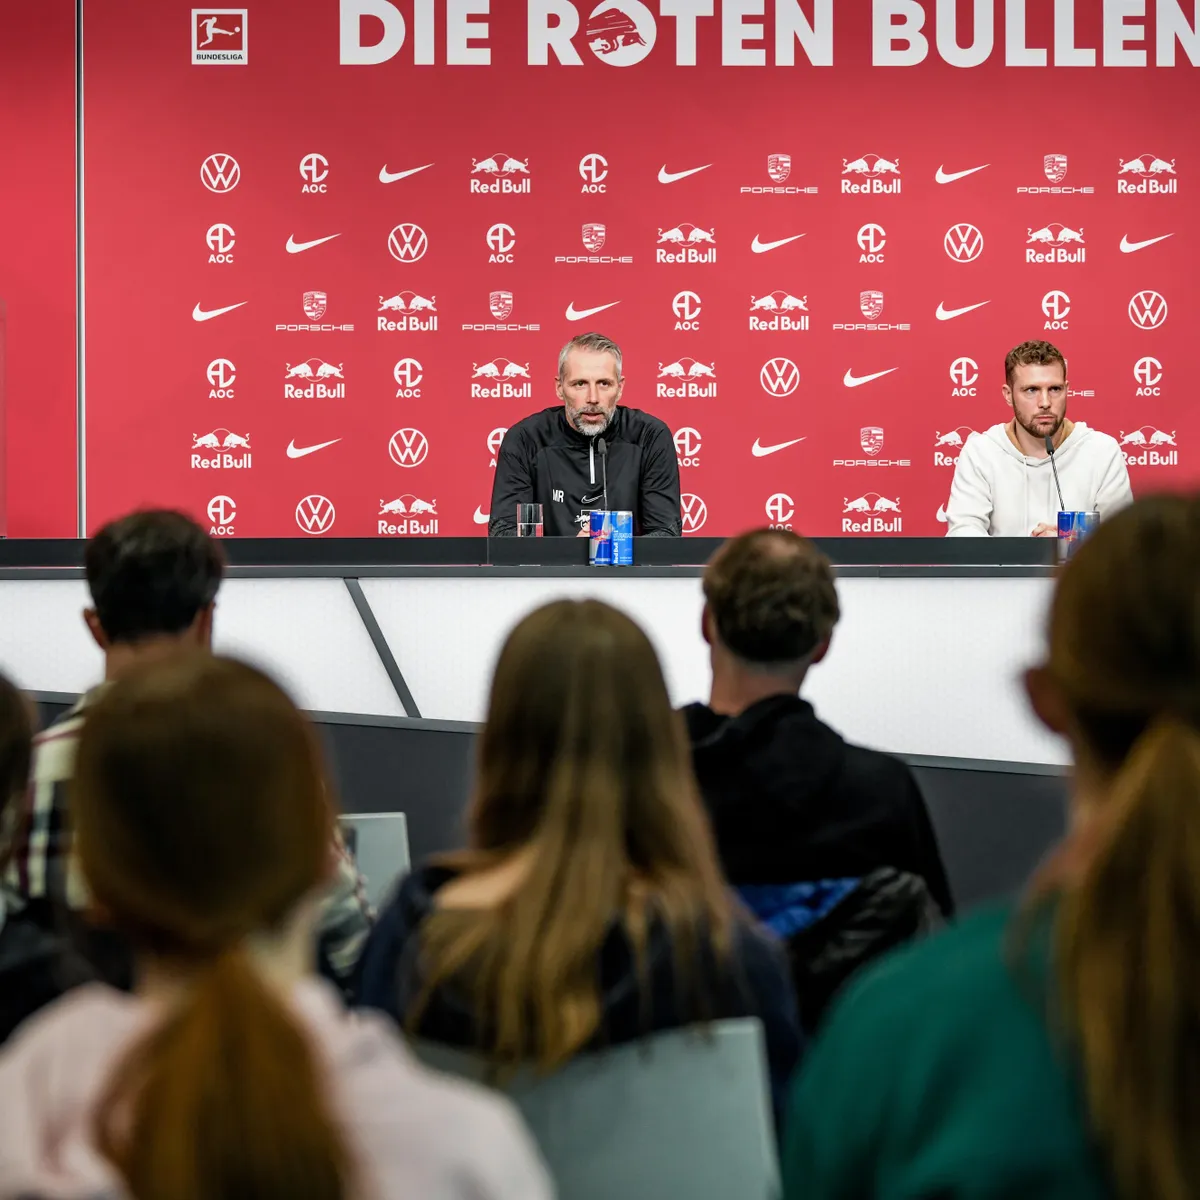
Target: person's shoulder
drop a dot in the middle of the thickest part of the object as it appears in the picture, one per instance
(981, 441)
(1100, 444)
(535, 429)
(876, 769)
(644, 427)
(77, 1023)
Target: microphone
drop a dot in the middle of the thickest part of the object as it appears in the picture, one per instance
(1050, 451)
(602, 446)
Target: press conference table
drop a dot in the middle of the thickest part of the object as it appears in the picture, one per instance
(926, 660)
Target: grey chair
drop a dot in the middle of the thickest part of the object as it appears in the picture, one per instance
(379, 843)
(681, 1115)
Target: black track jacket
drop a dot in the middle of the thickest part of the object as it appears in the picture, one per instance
(543, 460)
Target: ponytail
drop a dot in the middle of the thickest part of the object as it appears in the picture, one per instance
(224, 1098)
(1128, 935)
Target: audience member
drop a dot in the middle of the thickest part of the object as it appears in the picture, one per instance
(153, 578)
(589, 909)
(1053, 1049)
(816, 833)
(35, 966)
(232, 1071)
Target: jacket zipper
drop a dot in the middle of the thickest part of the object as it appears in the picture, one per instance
(592, 460)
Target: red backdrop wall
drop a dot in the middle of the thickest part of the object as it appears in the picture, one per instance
(1032, 202)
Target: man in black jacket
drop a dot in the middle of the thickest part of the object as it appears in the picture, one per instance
(790, 800)
(588, 453)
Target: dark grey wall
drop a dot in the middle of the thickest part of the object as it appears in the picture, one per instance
(994, 824)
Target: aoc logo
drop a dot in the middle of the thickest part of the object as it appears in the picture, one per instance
(693, 512)
(500, 175)
(872, 513)
(221, 375)
(686, 306)
(780, 508)
(946, 446)
(964, 374)
(1056, 306)
(880, 176)
(502, 241)
(505, 380)
(1148, 373)
(1151, 447)
(688, 240)
(408, 374)
(1057, 239)
(222, 512)
(687, 446)
(416, 314)
(1154, 176)
(494, 440)
(871, 241)
(593, 170)
(778, 312)
(692, 380)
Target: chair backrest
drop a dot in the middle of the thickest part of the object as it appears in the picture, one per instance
(681, 1115)
(379, 843)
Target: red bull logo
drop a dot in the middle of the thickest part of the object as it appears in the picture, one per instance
(501, 379)
(693, 380)
(1058, 241)
(418, 518)
(414, 314)
(1150, 447)
(778, 312)
(1147, 175)
(221, 449)
(314, 379)
(619, 37)
(871, 513)
(500, 175)
(946, 446)
(693, 244)
(879, 176)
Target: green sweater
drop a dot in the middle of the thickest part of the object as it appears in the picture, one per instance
(936, 1077)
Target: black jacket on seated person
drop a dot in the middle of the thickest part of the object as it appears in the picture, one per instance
(791, 801)
(757, 983)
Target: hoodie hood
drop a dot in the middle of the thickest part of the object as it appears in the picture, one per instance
(412, 1132)
(1073, 445)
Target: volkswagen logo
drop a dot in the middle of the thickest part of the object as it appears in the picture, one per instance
(408, 447)
(407, 243)
(963, 243)
(220, 173)
(779, 376)
(315, 514)
(694, 512)
(1147, 310)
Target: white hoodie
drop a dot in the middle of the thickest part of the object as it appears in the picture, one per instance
(1000, 492)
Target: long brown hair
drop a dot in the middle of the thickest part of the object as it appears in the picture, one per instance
(583, 764)
(202, 817)
(1125, 658)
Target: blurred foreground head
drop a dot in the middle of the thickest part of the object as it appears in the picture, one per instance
(1122, 681)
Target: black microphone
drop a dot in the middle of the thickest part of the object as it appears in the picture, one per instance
(1050, 451)
(602, 446)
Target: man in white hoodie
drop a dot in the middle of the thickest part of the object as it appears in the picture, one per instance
(1004, 480)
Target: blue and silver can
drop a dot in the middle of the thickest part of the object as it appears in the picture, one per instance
(1073, 527)
(622, 539)
(600, 539)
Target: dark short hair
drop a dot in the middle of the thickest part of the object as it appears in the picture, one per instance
(16, 751)
(151, 573)
(771, 596)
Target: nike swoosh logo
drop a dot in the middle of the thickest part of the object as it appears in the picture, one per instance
(295, 247)
(941, 514)
(591, 499)
(851, 380)
(198, 314)
(578, 314)
(948, 314)
(665, 176)
(1128, 247)
(294, 451)
(481, 518)
(761, 451)
(386, 176)
(944, 176)
(762, 247)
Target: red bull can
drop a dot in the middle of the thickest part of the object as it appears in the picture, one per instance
(600, 539)
(622, 539)
(1073, 527)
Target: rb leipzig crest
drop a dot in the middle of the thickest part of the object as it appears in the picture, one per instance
(315, 304)
(871, 304)
(870, 438)
(500, 304)
(1055, 166)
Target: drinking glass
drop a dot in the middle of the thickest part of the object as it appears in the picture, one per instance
(529, 520)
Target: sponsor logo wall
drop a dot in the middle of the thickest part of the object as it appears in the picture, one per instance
(332, 269)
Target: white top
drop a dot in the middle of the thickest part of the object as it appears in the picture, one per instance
(1000, 492)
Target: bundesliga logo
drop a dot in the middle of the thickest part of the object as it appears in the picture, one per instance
(218, 36)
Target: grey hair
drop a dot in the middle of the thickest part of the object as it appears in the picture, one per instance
(596, 342)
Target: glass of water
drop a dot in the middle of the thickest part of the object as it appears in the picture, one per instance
(529, 520)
